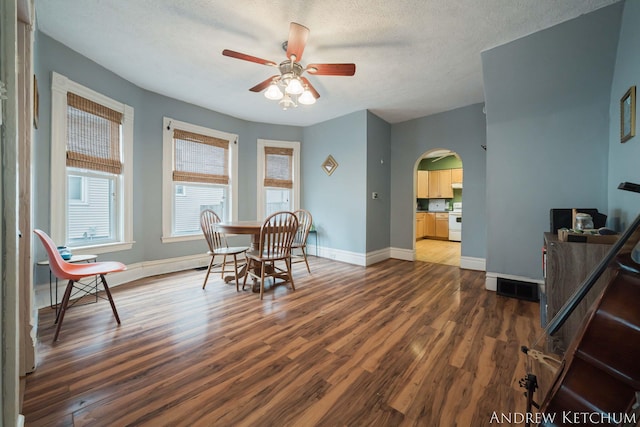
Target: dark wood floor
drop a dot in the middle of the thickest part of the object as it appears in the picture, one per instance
(394, 344)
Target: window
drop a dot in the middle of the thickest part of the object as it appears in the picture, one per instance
(278, 176)
(92, 219)
(77, 190)
(91, 168)
(199, 172)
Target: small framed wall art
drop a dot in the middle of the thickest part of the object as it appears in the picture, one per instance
(329, 165)
(628, 115)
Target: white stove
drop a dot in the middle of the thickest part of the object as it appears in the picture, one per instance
(455, 222)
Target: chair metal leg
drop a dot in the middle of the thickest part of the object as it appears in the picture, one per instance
(113, 304)
(63, 309)
(208, 271)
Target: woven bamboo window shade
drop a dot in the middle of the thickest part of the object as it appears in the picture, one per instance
(200, 158)
(93, 135)
(278, 167)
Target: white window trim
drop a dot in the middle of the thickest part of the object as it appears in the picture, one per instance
(60, 85)
(295, 145)
(168, 124)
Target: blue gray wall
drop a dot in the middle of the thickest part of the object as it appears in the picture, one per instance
(149, 110)
(547, 103)
(462, 130)
(623, 158)
(379, 181)
(338, 202)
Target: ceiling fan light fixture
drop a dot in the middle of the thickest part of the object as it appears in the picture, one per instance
(294, 87)
(273, 93)
(307, 98)
(290, 87)
(287, 102)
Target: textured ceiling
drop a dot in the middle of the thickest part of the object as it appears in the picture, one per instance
(414, 57)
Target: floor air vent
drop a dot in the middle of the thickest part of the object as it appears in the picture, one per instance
(517, 289)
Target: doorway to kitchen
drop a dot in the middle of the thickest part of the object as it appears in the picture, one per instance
(438, 207)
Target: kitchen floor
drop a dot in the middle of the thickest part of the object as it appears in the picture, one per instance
(438, 251)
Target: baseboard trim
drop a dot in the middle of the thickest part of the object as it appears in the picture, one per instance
(403, 254)
(471, 263)
(342, 256)
(378, 256)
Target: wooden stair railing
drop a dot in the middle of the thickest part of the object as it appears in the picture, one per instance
(601, 372)
(598, 380)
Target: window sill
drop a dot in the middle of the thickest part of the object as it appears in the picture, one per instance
(185, 238)
(101, 248)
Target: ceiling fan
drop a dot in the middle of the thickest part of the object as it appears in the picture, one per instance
(290, 86)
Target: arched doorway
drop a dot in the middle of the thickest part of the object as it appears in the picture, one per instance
(438, 207)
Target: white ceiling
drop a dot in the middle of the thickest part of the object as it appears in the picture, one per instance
(413, 57)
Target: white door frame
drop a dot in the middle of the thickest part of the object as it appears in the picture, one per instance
(26, 100)
(9, 360)
(14, 54)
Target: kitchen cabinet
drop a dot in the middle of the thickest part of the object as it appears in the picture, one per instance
(567, 264)
(420, 222)
(436, 225)
(456, 176)
(423, 185)
(440, 184)
(430, 224)
(442, 225)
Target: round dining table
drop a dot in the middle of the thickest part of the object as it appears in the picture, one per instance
(242, 227)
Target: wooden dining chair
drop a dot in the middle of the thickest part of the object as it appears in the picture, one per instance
(218, 246)
(276, 237)
(74, 273)
(300, 240)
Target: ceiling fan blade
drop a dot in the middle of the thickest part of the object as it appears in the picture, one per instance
(298, 35)
(263, 85)
(245, 57)
(332, 69)
(313, 91)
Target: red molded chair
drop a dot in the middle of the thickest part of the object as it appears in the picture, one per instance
(73, 273)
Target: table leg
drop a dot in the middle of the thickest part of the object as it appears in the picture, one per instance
(241, 273)
(255, 242)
